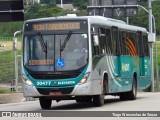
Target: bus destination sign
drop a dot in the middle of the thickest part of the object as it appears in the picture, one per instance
(41, 62)
(56, 26)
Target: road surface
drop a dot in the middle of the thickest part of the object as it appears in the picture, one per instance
(144, 102)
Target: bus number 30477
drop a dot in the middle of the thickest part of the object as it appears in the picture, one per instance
(43, 83)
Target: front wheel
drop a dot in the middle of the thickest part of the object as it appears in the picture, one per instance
(98, 100)
(45, 103)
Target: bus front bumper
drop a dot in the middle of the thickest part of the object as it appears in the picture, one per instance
(88, 88)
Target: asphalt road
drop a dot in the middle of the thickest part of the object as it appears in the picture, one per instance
(144, 102)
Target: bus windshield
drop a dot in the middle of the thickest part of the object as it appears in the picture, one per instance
(63, 52)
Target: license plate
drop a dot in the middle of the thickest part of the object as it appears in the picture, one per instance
(57, 93)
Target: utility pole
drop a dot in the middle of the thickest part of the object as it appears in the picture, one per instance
(156, 56)
(157, 67)
(61, 3)
(151, 49)
(127, 19)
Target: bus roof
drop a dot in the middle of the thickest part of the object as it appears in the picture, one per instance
(97, 20)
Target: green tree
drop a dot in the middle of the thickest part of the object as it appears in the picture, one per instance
(45, 1)
(81, 5)
(142, 18)
(51, 4)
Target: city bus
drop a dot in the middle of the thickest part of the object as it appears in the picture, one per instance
(83, 58)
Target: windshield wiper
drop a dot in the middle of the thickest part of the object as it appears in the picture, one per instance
(65, 41)
(43, 44)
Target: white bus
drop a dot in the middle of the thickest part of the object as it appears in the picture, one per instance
(83, 59)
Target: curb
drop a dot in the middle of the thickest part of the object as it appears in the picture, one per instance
(26, 99)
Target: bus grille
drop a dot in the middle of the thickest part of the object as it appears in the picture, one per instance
(46, 91)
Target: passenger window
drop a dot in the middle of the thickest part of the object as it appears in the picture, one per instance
(140, 44)
(131, 43)
(146, 47)
(115, 40)
(124, 46)
(108, 41)
(102, 40)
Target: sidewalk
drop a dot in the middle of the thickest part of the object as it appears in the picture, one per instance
(14, 98)
(11, 98)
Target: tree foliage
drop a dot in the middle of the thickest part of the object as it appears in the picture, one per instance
(142, 18)
(48, 8)
(8, 28)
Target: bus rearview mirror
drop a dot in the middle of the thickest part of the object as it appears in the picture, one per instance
(95, 40)
(151, 37)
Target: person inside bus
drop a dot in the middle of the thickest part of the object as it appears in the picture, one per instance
(80, 46)
(81, 51)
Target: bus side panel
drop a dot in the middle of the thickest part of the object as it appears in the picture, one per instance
(145, 79)
(126, 72)
(99, 67)
(116, 81)
(107, 64)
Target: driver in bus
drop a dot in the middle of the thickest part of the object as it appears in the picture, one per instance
(82, 51)
(80, 47)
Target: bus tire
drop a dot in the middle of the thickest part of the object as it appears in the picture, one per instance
(98, 100)
(45, 103)
(131, 95)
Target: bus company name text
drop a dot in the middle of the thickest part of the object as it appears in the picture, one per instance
(48, 83)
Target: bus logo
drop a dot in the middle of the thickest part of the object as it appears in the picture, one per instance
(54, 83)
(66, 82)
(125, 67)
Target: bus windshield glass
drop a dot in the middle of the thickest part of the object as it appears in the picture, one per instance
(56, 52)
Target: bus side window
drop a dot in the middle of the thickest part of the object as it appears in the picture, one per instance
(136, 43)
(124, 47)
(146, 47)
(128, 44)
(102, 41)
(115, 40)
(140, 44)
(132, 43)
(108, 41)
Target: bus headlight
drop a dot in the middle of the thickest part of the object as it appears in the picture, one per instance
(27, 81)
(84, 79)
